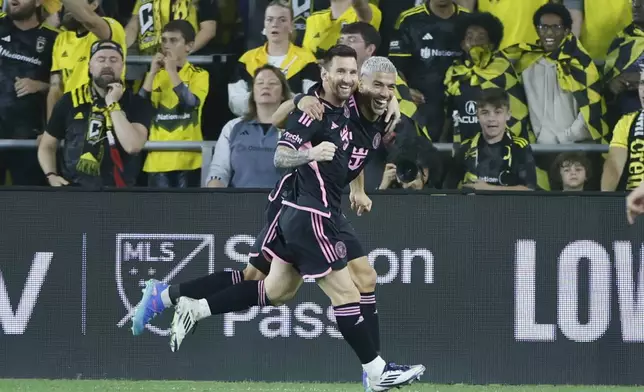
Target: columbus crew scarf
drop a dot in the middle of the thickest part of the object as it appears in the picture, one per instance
(485, 70)
(624, 51)
(576, 73)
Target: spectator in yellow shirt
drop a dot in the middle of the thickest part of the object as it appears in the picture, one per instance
(597, 22)
(177, 90)
(323, 28)
(83, 25)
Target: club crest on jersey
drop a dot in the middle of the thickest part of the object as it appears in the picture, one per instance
(40, 44)
(376, 141)
(347, 114)
(340, 249)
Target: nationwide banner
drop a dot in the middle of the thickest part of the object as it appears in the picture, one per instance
(481, 289)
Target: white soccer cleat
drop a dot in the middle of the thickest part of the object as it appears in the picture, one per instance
(184, 321)
(396, 376)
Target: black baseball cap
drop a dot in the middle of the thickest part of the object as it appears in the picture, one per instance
(105, 44)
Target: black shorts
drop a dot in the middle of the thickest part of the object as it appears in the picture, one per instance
(256, 255)
(313, 244)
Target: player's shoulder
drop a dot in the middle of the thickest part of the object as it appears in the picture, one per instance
(299, 119)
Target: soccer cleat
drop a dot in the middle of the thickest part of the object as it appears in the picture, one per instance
(149, 307)
(184, 321)
(396, 376)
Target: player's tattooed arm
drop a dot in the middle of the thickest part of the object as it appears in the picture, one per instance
(287, 158)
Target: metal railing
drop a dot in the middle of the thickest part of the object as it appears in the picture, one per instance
(207, 149)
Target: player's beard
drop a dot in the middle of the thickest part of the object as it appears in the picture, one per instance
(22, 13)
(343, 90)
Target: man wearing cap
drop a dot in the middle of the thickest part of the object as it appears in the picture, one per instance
(103, 126)
(83, 25)
(26, 46)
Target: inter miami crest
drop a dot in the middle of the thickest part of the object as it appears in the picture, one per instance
(170, 258)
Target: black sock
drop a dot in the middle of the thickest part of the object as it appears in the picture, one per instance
(238, 297)
(370, 314)
(354, 330)
(206, 285)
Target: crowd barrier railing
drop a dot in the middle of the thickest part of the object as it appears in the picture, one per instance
(207, 149)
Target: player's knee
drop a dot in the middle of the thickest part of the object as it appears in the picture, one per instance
(252, 273)
(364, 276)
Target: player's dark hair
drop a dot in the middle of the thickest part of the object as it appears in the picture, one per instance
(286, 90)
(556, 9)
(496, 97)
(183, 27)
(368, 33)
(487, 22)
(338, 51)
(568, 158)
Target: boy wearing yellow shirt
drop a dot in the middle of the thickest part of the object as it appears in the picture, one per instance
(177, 90)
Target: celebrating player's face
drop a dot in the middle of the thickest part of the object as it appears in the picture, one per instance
(106, 67)
(341, 77)
(379, 89)
(22, 9)
(493, 119)
(277, 23)
(267, 88)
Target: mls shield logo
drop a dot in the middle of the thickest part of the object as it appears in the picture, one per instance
(169, 258)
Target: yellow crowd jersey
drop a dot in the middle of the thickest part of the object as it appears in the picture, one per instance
(295, 61)
(71, 54)
(516, 17)
(322, 32)
(629, 134)
(172, 122)
(154, 14)
(603, 20)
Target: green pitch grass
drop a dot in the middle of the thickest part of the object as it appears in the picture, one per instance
(190, 386)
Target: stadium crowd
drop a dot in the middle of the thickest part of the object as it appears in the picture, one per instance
(491, 77)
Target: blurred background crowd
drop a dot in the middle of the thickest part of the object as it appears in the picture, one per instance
(563, 75)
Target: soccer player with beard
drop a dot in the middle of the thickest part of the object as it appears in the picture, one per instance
(83, 26)
(102, 126)
(307, 230)
(26, 45)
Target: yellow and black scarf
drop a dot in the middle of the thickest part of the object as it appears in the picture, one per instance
(486, 70)
(100, 130)
(408, 106)
(576, 74)
(624, 51)
(154, 14)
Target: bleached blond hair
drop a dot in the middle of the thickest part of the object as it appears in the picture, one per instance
(377, 64)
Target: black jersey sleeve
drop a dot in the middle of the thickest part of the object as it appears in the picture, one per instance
(300, 130)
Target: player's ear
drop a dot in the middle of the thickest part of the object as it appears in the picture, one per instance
(189, 46)
(508, 115)
(323, 73)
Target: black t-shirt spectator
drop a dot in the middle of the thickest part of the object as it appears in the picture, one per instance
(23, 54)
(508, 162)
(70, 121)
(423, 47)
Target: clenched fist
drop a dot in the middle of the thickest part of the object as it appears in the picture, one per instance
(323, 152)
